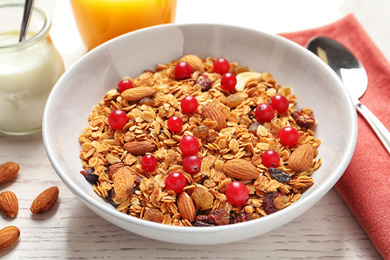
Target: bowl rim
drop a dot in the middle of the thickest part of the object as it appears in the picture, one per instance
(91, 202)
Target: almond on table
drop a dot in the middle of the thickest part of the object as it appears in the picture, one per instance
(8, 236)
(230, 144)
(45, 200)
(8, 171)
(9, 204)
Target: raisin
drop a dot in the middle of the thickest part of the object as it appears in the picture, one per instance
(204, 82)
(146, 101)
(233, 100)
(268, 202)
(154, 215)
(211, 137)
(222, 216)
(303, 119)
(242, 216)
(206, 221)
(201, 131)
(279, 175)
(253, 127)
(90, 176)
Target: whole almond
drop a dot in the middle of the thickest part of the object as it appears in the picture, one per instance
(123, 182)
(301, 158)
(45, 200)
(186, 206)
(240, 169)
(8, 236)
(211, 111)
(194, 61)
(113, 168)
(135, 94)
(139, 147)
(9, 203)
(8, 171)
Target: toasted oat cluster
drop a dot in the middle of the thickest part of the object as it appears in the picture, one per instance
(228, 175)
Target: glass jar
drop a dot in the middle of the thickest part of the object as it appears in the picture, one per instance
(28, 69)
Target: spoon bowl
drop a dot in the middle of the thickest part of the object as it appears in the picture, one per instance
(354, 77)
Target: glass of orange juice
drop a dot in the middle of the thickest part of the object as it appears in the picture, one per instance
(101, 20)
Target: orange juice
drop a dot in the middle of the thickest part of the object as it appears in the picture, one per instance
(102, 20)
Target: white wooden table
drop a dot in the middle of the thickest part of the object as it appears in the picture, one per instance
(72, 231)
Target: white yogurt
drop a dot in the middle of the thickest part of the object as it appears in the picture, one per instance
(27, 76)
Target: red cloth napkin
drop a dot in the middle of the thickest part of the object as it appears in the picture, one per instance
(365, 185)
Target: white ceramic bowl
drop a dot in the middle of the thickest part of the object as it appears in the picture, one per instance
(85, 84)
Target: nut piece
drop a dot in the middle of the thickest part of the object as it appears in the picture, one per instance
(45, 200)
(186, 206)
(9, 203)
(241, 169)
(211, 111)
(135, 94)
(8, 171)
(123, 182)
(244, 77)
(194, 61)
(301, 159)
(139, 147)
(8, 236)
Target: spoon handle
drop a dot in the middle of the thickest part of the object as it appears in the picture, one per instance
(28, 5)
(379, 128)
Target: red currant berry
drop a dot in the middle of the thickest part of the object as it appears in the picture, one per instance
(148, 163)
(288, 135)
(279, 103)
(183, 70)
(189, 104)
(117, 119)
(237, 193)
(264, 113)
(189, 145)
(175, 181)
(270, 159)
(192, 163)
(175, 124)
(221, 66)
(123, 85)
(228, 81)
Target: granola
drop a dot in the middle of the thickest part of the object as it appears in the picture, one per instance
(227, 130)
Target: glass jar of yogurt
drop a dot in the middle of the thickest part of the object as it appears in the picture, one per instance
(28, 69)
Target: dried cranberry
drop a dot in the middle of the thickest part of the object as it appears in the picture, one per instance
(242, 216)
(279, 175)
(206, 221)
(268, 202)
(110, 197)
(222, 216)
(204, 82)
(303, 119)
(90, 175)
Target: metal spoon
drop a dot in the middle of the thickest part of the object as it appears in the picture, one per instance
(354, 77)
(28, 6)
